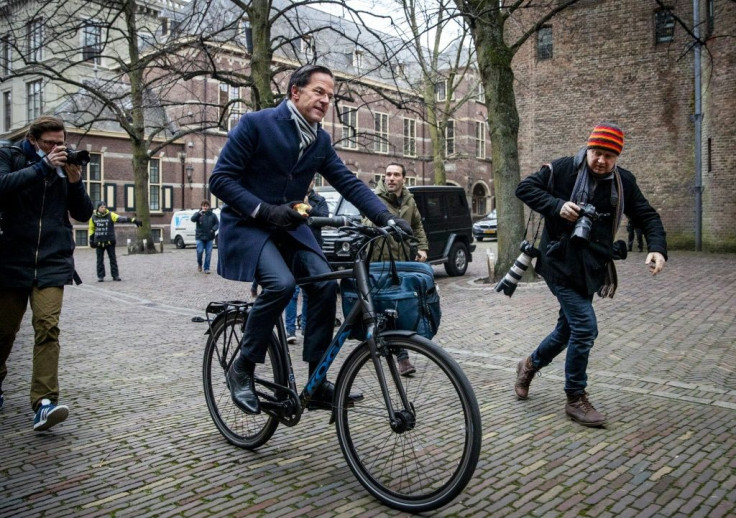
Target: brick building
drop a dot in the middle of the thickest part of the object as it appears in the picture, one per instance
(632, 62)
(368, 130)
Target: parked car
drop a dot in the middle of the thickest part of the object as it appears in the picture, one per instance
(182, 230)
(486, 228)
(330, 195)
(446, 221)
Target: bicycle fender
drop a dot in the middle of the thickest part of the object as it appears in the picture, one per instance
(221, 316)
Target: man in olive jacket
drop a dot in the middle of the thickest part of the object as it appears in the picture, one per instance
(38, 190)
(582, 200)
(397, 198)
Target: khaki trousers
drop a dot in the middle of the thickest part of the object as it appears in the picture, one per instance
(46, 309)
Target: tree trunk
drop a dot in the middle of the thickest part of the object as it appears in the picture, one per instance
(494, 62)
(260, 62)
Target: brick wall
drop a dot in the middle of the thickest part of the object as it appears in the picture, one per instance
(607, 66)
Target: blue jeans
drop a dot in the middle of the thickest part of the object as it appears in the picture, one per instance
(206, 247)
(576, 330)
(291, 310)
(281, 256)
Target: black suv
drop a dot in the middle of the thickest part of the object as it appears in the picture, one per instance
(446, 221)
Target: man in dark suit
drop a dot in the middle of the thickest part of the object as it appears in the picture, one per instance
(270, 158)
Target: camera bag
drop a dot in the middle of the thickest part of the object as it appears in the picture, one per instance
(406, 287)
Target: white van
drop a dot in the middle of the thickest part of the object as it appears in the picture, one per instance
(183, 230)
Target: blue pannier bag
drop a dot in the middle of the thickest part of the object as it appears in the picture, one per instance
(408, 289)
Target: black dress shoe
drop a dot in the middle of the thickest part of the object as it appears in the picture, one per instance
(324, 396)
(243, 390)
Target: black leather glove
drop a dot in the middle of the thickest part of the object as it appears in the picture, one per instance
(92, 243)
(280, 216)
(137, 222)
(620, 250)
(384, 217)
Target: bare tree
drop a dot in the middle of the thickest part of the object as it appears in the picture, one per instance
(487, 22)
(116, 62)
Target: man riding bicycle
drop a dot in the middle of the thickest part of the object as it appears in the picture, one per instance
(269, 159)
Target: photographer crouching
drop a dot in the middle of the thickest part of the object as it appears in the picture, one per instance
(582, 200)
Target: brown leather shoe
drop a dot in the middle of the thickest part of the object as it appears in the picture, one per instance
(581, 411)
(406, 368)
(525, 372)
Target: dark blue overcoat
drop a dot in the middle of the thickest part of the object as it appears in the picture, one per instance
(260, 163)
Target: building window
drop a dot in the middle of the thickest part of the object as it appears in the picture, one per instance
(358, 59)
(349, 119)
(319, 181)
(544, 43)
(376, 180)
(7, 110)
(410, 137)
(309, 48)
(232, 108)
(450, 138)
(664, 25)
(92, 176)
(34, 100)
(481, 93)
(380, 126)
(410, 181)
(440, 90)
(710, 18)
(92, 43)
(6, 59)
(34, 40)
(480, 139)
(164, 26)
(154, 184)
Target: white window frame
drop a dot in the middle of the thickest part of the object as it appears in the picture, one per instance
(358, 59)
(35, 30)
(308, 46)
(7, 110)
(380, 128)
(6, 59)
(34, 99)
(349, 137)
(450, 138)
(410, 137)
(410, 181)
(440, 90)
(480, 139)
(155, 191)
(91, 51)
(90, 182)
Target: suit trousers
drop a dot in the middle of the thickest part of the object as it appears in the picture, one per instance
(282, 259)
(46, 309)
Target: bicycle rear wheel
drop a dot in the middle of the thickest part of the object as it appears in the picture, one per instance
(241, 429)
(428, 456)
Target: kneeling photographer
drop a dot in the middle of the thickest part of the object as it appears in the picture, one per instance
(582, 200)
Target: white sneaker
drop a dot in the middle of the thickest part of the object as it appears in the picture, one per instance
(291, 339)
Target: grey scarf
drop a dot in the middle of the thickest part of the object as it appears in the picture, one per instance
(307, 131)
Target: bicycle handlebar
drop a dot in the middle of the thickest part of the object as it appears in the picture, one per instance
(334, 221)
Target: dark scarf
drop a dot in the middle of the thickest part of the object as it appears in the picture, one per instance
(582, 192)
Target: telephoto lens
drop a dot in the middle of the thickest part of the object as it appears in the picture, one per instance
(507, 285)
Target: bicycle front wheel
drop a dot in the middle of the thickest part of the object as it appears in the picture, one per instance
(428, 455)
(241, 429)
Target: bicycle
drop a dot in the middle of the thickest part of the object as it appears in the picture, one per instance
(413, 443)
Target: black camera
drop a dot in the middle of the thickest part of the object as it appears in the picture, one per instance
(77, 157)
(509, 282)
(586, 217)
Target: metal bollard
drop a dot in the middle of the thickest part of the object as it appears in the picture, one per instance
(161, 244)
(491, 264)
(129, 247)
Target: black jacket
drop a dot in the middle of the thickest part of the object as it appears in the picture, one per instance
(207, 224)
(36, 240)
(581, 266)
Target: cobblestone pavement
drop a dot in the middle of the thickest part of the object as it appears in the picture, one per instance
(139, 440)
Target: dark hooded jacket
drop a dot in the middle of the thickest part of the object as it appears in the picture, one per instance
(575, 264)
(36, 236)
